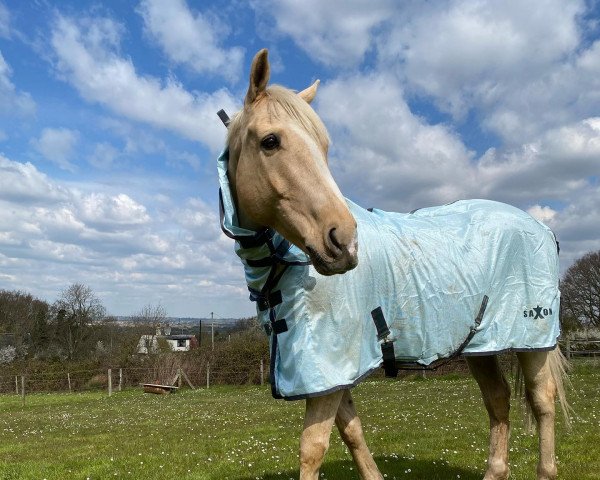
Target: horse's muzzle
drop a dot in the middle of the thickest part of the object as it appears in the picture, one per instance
(341, 259)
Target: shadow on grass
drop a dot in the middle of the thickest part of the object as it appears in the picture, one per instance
(392, 467)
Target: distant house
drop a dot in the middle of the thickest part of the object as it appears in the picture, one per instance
(182, 343)
(177, 343)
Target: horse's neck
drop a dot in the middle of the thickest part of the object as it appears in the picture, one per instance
(243, 220)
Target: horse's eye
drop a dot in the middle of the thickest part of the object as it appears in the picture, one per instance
(270, 142)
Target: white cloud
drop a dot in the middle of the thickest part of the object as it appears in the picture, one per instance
(337, 33)
(11, 100)
(544, 214)
(52, 234)
(564, 93)
(520, 67)
(387, 156)
(199, 221)
(103, 156)
(22, 183)
(190, 38)
(100, 211)
(467, 51)
(554, 165)
(87, 56)
(576, 225)
(176, 158)
(58, 146)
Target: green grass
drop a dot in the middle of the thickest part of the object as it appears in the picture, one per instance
(429, 429)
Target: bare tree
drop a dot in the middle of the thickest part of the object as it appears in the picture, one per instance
(77, 310)
(154, 315)
(581, 291)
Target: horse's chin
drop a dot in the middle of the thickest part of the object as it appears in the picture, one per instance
(333, 267)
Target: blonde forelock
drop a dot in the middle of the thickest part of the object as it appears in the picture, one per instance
(281, 100)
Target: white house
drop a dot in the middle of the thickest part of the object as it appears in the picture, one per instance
(177, 343)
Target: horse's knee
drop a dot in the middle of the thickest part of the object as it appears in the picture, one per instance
(312, 452)
(352, 433)
(541, 397)
(500, 395)
(497, 400)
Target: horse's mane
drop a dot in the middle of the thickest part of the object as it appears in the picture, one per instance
(280, 100)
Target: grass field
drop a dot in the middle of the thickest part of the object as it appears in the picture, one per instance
(434, 428)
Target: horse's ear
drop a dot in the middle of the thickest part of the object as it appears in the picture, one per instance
(259, 76)
(308, 94)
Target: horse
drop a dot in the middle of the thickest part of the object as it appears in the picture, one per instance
(294, 229)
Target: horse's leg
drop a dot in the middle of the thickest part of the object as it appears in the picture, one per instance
(540, 388)
(351, 431)
(496, 396)
(314, 442)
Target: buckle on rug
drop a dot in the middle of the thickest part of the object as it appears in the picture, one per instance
(387, 343)
(265, 302)
(279, 326)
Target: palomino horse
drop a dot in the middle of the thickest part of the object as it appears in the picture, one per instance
(277, 183)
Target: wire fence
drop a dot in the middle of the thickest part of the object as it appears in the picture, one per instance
(201, 375)
(116, 379)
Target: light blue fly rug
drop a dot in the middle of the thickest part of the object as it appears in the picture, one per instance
(472, 277)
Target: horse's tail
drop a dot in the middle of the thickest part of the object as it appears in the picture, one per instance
(559, 368)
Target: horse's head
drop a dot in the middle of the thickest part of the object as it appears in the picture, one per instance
(279, 174)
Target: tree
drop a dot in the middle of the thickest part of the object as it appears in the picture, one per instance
(76, 311)
(154, 315)
(580, 289)
(22, 321)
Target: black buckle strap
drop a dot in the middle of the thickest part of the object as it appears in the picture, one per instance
(276, 256)
(224, 117)
(387, 347)
(264, 301)
(274, 325)
(277, 326)
(380, 324)
(389, 359)
(260, 238)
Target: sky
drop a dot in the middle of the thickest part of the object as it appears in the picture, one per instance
(109, 134)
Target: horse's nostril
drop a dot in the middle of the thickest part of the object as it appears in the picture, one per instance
(334, 240)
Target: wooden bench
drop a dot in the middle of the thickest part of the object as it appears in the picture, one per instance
(159, 389)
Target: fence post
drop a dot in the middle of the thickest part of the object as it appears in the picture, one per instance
(207, 375)
(568, 348)
(120, 379)
(17, 384)
(23, 388)
(69, 381)
(262, 372)
(109, 382)
(179, 377)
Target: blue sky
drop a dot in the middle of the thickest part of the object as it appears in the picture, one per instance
(108, 132)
